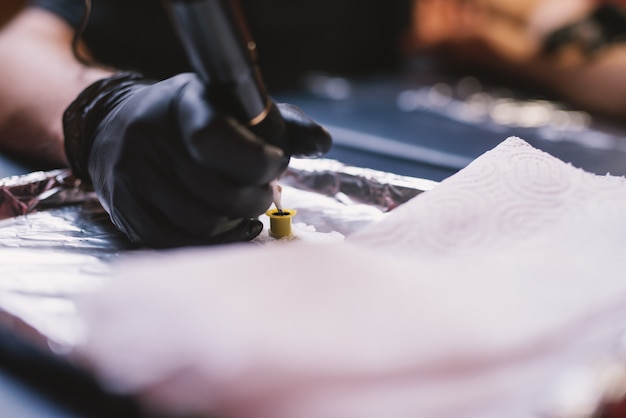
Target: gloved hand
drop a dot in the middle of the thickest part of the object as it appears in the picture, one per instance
(169, 168)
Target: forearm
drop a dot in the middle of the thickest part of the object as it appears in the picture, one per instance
(39, 78)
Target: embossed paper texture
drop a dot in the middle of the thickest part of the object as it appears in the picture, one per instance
(473, 299)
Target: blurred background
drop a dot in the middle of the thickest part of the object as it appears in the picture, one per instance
(462, 76)
(477, 71)
(9, 8)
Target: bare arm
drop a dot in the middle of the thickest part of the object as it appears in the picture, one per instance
(39, 77)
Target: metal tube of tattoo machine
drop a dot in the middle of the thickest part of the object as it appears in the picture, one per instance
(221, 51)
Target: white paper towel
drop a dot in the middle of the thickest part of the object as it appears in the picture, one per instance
(471, 300)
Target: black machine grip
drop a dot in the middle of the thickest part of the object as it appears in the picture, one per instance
(221, 51)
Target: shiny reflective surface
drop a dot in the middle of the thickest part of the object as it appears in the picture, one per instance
(58, 242)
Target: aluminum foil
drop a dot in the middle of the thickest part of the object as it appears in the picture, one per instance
(20, 195)
(375, 188)
(56, 241)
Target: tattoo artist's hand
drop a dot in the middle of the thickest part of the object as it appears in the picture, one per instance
(169, 169)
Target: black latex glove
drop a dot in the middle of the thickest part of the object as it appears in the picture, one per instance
(169, 169)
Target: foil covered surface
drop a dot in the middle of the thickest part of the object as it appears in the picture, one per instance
(20, 195)
(57, 242)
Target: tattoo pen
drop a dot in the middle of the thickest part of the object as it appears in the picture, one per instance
(221, 51)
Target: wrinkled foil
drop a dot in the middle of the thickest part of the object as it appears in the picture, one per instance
(56, 240)
(331, 178)
(20, 195)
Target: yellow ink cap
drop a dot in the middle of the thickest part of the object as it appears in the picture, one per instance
(280, 222)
